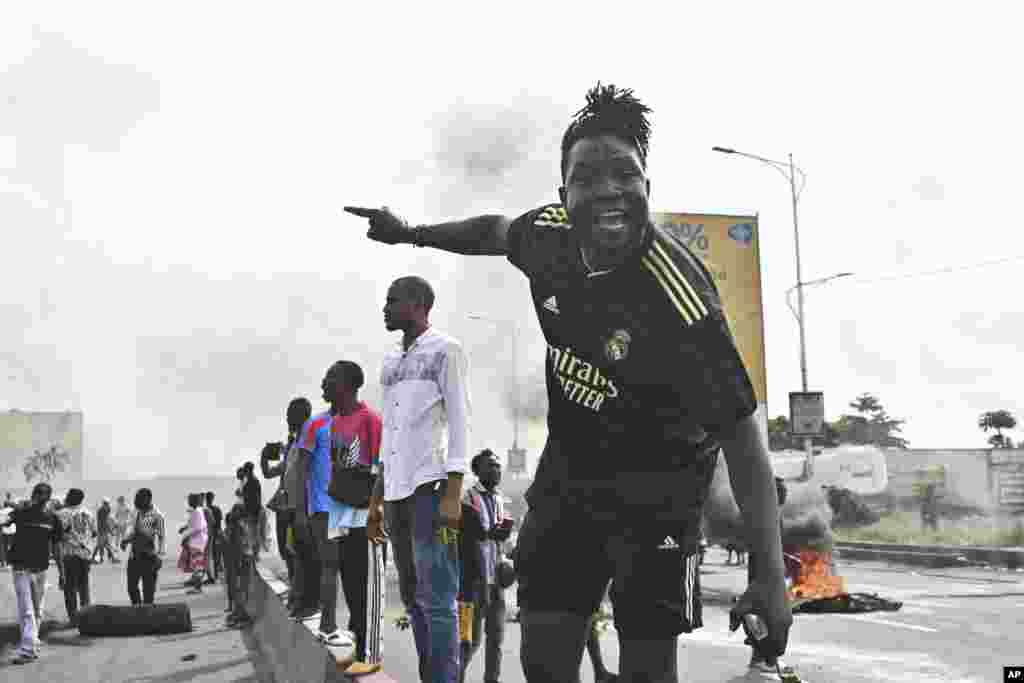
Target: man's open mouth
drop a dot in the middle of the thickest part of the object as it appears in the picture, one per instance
(611, 221)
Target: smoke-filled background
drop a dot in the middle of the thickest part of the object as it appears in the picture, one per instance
(175, 265)
(806, 514)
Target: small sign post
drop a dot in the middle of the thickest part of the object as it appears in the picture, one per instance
(807, 413)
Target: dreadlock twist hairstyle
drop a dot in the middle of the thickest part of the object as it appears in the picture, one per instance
(610, 111)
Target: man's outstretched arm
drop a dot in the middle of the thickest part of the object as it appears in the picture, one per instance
(477, 236)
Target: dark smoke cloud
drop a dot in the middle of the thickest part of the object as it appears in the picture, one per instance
(504, 155)
(494, 158)
(806, 516)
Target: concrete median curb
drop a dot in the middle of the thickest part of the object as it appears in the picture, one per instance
(932, 555)
(291, 649)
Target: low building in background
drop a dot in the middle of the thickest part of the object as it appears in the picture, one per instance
(40, 446)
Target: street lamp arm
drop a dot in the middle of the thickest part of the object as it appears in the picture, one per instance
(809, 283)
(729, 150)
(780, 166)
(823, 280)
(763, 160)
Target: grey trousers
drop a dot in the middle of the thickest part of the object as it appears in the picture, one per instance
(488, 628)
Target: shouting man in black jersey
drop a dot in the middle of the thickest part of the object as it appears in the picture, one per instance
(644, 383)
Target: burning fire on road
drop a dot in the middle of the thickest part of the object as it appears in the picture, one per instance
(812, 574)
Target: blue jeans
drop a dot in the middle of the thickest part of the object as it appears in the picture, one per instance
(30, 593)
(428, 574)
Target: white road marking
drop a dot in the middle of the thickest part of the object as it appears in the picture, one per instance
(916, 609)
(898, 624)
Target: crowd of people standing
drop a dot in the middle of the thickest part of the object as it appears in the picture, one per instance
(349, 482)
(353, 482)
(74, 537)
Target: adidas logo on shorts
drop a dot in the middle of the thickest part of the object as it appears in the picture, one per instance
(668, 544)
(551, 304)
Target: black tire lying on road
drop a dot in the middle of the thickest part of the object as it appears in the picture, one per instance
(128, 620)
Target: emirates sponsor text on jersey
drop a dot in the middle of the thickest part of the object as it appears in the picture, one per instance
(581, 381)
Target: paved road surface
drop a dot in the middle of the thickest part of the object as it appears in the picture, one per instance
(216, 654)
(955, 625)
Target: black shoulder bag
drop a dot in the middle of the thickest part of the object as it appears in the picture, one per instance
(351, 481)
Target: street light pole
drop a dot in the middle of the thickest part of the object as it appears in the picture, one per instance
(515, 369)
(789, 171)
(799, 278)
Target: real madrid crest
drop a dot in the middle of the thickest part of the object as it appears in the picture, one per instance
(617, 346)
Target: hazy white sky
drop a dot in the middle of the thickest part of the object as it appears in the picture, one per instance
(169, 184)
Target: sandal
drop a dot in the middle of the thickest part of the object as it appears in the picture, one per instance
(362, 668)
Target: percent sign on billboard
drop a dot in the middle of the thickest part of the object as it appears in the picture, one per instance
(728, 247)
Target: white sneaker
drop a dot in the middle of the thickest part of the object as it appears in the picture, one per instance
(757, 663)
(336, 638)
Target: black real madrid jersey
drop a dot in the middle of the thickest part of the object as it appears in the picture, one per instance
(641, 366)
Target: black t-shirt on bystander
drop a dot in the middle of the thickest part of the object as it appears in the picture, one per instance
(36, 530)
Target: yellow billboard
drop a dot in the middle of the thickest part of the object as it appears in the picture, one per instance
(40, 447)
(728, 246)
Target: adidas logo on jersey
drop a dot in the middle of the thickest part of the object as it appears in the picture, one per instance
(551, 304)
(553, 217)
(668, 544)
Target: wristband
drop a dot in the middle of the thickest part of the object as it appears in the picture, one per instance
(418, 233)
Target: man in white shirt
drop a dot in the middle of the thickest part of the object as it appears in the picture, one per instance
(423, 458)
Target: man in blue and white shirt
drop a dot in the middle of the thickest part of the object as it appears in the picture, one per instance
(423, 456)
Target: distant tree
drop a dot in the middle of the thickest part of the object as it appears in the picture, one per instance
(867, 404)
(871, 425)
(997, 420)
(44, 465)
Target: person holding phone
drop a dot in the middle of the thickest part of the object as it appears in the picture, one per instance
(289, 469)
(485, 527)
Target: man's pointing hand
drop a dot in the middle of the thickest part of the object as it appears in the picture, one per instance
(385, 225)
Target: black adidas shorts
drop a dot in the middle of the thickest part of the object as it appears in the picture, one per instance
(564, 561)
